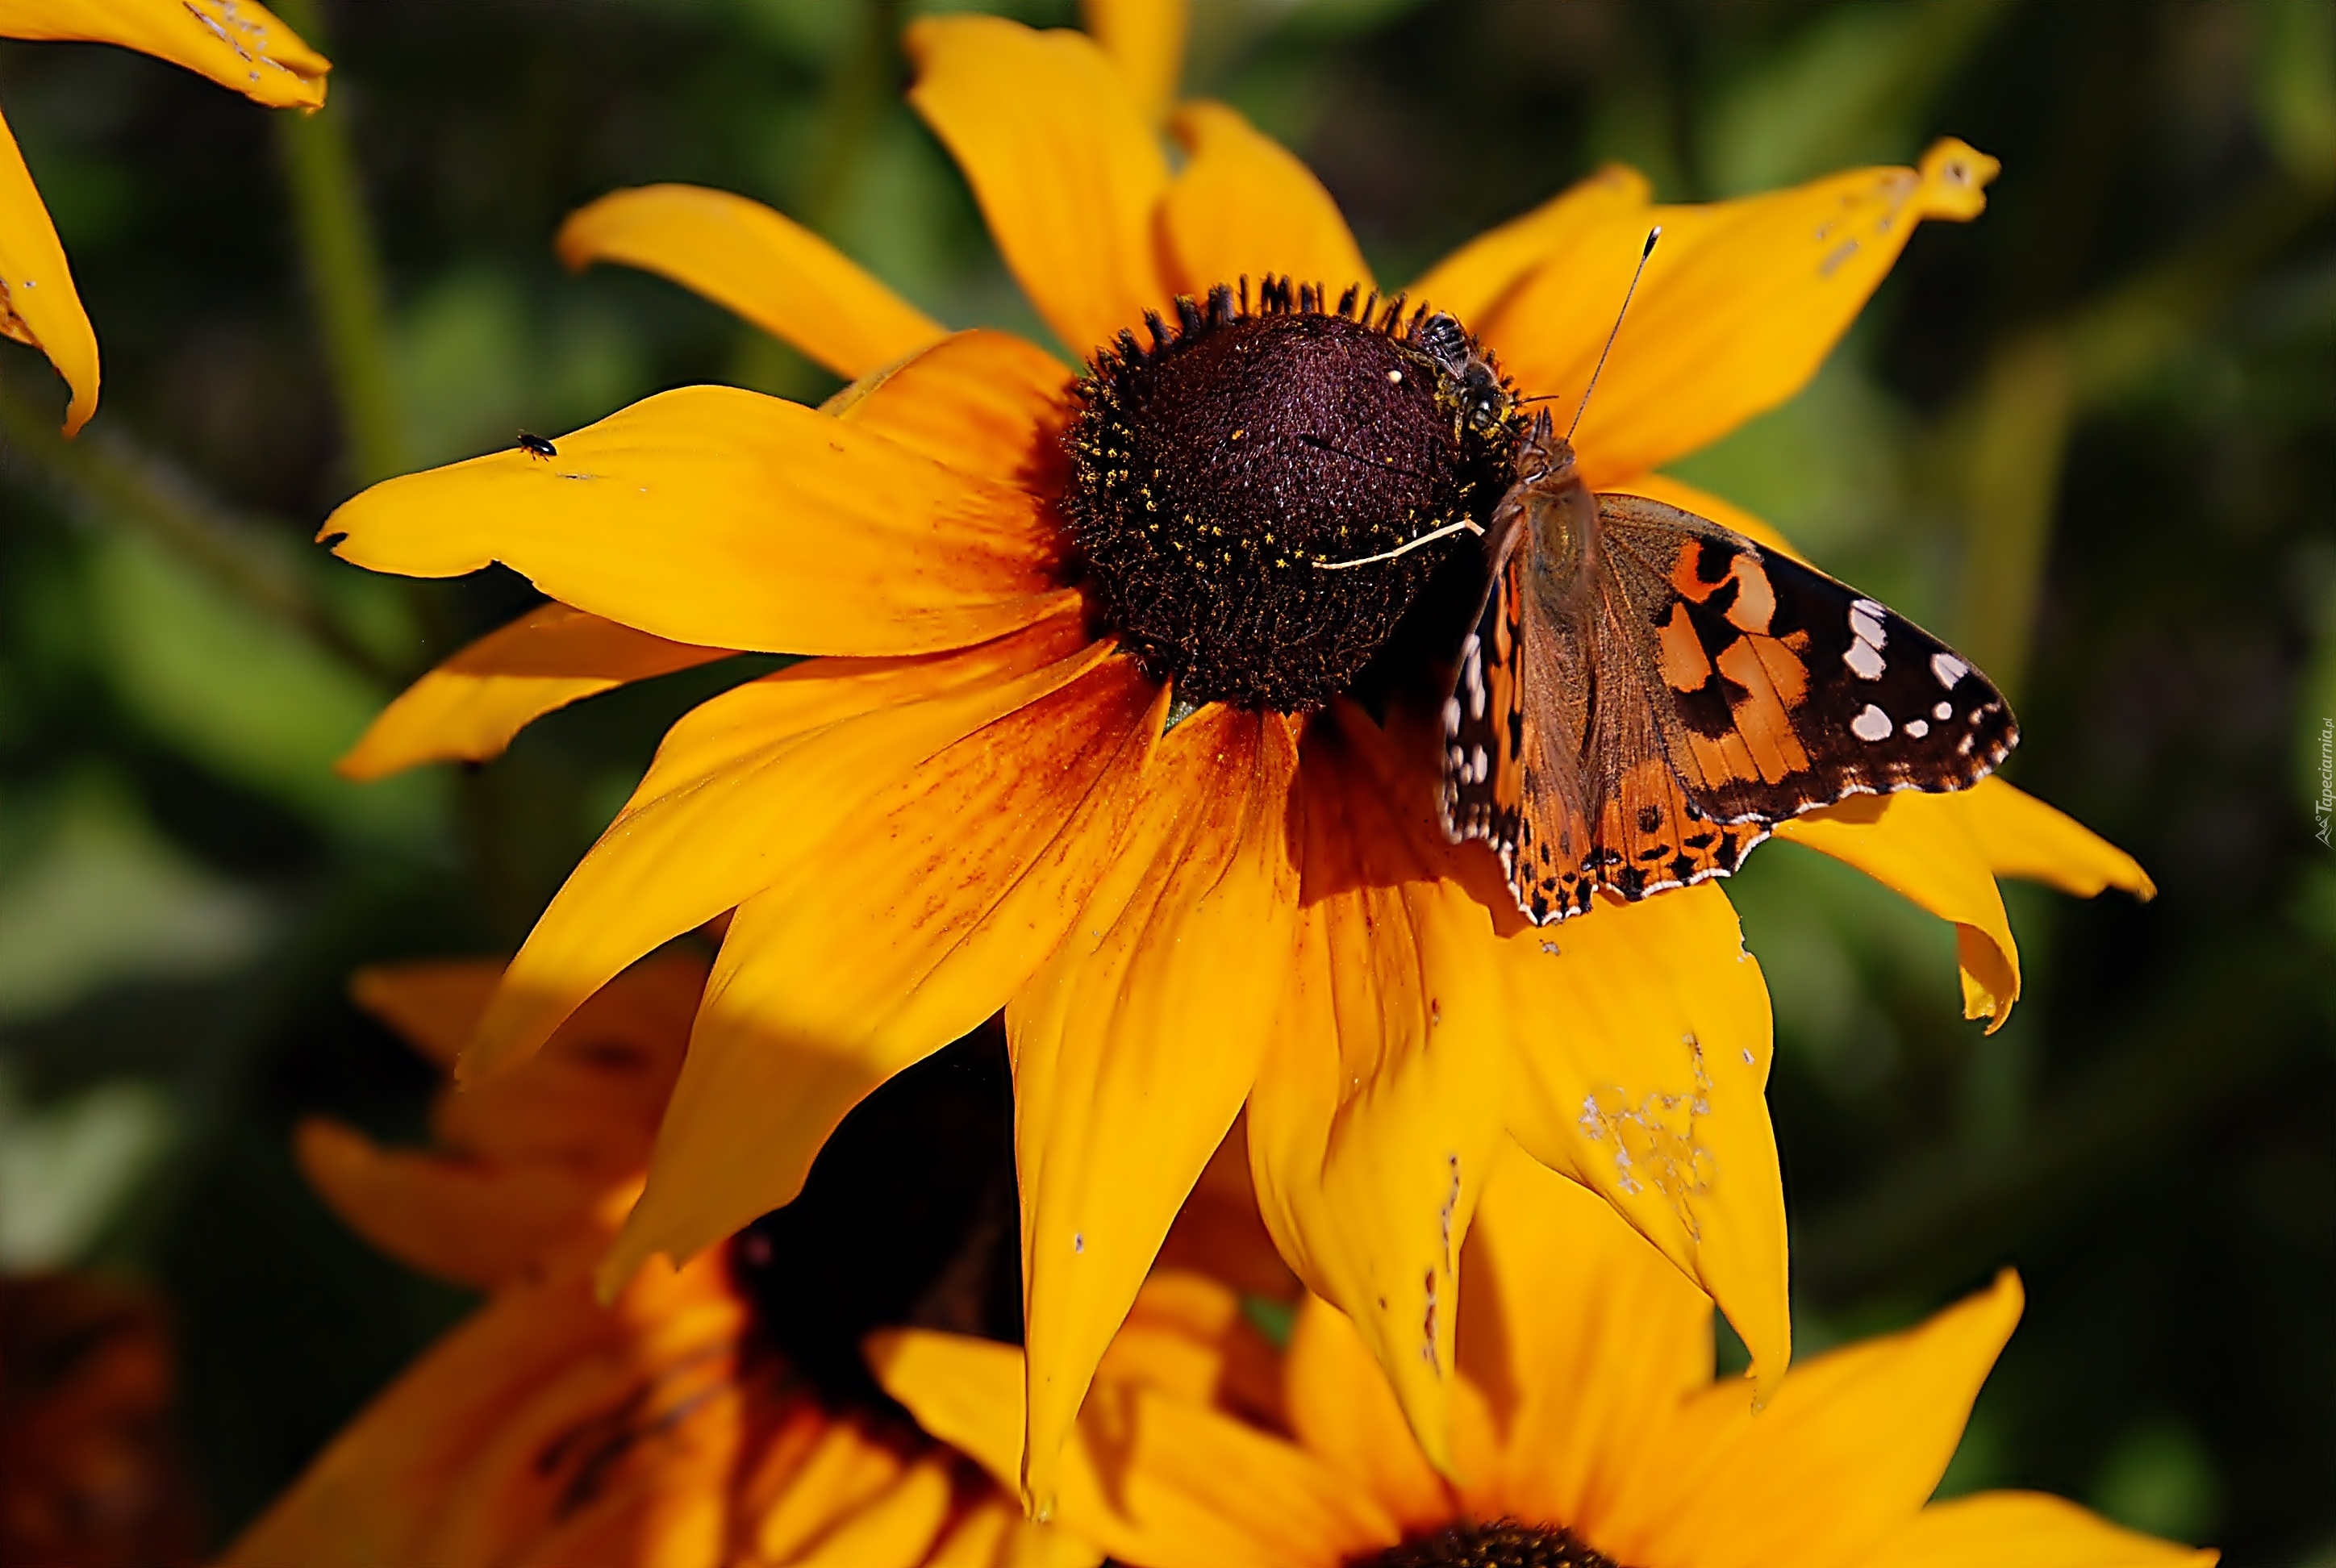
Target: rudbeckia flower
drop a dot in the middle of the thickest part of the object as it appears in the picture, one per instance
(237, 44)
(1587, 1429)
(1081, 739)
(674, 1426)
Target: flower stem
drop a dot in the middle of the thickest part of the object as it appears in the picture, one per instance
(344, 276)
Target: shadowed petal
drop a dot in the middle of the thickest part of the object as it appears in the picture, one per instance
(239, 44)
(757, 262)
(1862, 1433)
(1242, 206)
(1149, 1479)
(1924, 847)
(1344, 1413)
(725, 519)
(1740, 304)
(1642, 1039)
(1474, 280)
(904, 927)
(448, 1465)
(1145, 39)
(1580, 1337)
(741, 789)
(469, 707)
(2025, 1530)
(1379, 1108)
(38, 303)
(1062, 160)
(1136, 1043)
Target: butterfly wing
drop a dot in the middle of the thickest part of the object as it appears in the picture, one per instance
(1643, 729)
(1777, 689)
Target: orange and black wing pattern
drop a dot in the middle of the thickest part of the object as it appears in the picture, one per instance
(1647, 731)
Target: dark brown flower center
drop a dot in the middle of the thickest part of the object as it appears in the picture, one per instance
(907, 1219)
(1503, 1544)
(1224, 475)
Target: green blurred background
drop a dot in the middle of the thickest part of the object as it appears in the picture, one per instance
(2091, 438)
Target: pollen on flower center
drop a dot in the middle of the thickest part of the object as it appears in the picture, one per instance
(1505, 1544)
(1219, 469)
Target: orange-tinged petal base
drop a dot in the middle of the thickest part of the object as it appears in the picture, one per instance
(909, 923)
(1136, 1043)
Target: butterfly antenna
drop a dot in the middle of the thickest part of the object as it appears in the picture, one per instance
(1653, 235)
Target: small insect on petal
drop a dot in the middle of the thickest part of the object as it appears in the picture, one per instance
(537, 447)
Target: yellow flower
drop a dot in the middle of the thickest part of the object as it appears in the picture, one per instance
(968, 802)
(664, 1428)
(236, 43)
(1587, 1429)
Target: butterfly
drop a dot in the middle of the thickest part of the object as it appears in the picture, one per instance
(1644, 695)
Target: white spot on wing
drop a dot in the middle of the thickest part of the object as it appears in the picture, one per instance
(1871, 724)
(1864, 661)
(1918, 728)
(1947, 669)
(1942, 711)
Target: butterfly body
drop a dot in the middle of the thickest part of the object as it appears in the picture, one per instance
(1643, 694)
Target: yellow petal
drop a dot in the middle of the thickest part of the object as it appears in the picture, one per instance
(1134, 1046)
(1379, 1108)
(1145, 40)
(741, 786)
(436, 1006)
(1843, 1456)
(238, 44)
(724, 519)
(1740, 303)
(1582, 1339)
(1062, 160)
(1642, 1037)
(38, 303)
(1924, 846)
(992, 1533)
(1149, 1479)
(1472, 282)
(967, 1392)
(1344, 1413)
(2023, 837)
(1243, 207)
(1189, 1337)
(2025, 1530)
(984, 404)
(904, 928)
(469, 707)
(758, 263)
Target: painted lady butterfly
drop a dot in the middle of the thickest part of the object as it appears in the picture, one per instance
(1644, 694)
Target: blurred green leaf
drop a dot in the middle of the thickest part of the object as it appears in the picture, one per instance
(244, 695)
(2295, 85)
(2158, 1477)
(1855, 87)
(102, 898)
(68, 1170)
